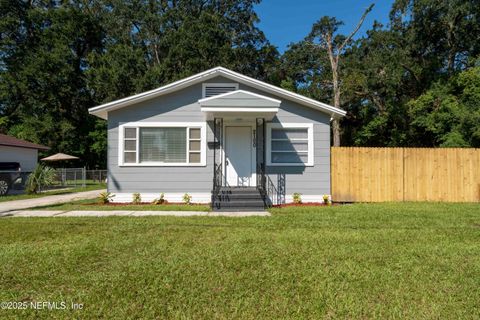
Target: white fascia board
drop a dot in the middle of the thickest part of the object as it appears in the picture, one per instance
(233, 109)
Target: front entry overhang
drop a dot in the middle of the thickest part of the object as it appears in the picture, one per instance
(239, 104)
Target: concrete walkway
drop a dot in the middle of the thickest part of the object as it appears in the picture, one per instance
(58, 213)
(47, 200)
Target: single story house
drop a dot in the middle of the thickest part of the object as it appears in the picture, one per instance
(21, 151)
(220, 137)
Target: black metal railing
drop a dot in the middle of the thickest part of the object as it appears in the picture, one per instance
(219, 181)
(218, 178)
(270, 193)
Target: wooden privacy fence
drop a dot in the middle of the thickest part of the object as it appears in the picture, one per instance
(405, 174)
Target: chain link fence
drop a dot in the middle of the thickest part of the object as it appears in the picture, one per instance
(79, 177)
(65, 178)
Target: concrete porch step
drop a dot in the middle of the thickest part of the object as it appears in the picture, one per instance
(238, 199)
(239, 196)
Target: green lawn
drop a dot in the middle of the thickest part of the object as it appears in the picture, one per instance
(88, 187)
(93, 204)
(413, 261)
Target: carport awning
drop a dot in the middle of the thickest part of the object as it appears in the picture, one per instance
(239, 103)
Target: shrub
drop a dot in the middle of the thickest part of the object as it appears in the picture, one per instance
(187, 198)
(327, 199)
(105, 197)
(297, 198)
(137, 199)
(160, 200)
(41, 177)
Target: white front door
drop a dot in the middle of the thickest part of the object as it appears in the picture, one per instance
(239, 156)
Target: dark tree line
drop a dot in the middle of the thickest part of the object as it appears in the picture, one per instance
(413, 82)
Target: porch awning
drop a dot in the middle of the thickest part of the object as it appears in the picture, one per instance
(239, 103)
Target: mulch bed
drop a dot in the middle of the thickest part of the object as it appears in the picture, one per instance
(305, 204)
(116, 204)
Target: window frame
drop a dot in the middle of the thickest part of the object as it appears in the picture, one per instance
(217, 84)
(310, 142)
(187, 125)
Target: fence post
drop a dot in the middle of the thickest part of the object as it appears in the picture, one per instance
(84, 176)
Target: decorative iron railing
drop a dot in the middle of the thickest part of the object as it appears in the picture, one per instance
(272, 193)
(218, 177)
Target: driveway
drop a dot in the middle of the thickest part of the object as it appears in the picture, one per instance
(47, 200)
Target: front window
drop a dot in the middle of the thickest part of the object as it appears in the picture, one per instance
(163, 144)
(289, 144)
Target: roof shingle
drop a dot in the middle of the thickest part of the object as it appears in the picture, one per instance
(14, 142)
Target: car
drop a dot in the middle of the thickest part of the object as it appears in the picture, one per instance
(9, 173)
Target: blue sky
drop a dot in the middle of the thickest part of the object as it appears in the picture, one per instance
(286, 21)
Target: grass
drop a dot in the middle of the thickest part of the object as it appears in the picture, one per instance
(411, 260)
(93, 204)
(88, 187)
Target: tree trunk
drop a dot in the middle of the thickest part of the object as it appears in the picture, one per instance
(336, 102)
(336, 132)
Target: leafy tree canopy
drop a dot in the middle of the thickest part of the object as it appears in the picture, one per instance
(412, 82)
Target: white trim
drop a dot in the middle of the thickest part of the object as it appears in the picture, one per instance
(223, 95)
(187, 125)
(233, 109)
(215, 84)
(309, 126)
(102, 110)
(197, 197)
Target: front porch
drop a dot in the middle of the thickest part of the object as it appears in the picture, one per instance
(239, 177)
(239, 120)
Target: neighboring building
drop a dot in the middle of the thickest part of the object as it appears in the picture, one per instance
(219, 135)
(21, 151)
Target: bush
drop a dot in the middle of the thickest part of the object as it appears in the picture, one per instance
(105, 197)
(187, 199)
(160, 200)
(327, 199)
(137, 199)
(41, 177)
(297, 198)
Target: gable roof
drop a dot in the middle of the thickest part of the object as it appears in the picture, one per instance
(102, 110)
(14, 142)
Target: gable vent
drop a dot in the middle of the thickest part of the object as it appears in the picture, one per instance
(214, 89)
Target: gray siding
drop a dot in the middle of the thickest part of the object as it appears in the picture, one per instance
(182, 106)
(313, 180)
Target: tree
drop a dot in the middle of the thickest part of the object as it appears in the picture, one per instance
(44, 48)
(151, 43)
(378, 80)
(324, 35)
(449, 112)
(59, 58)
(442, 35)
